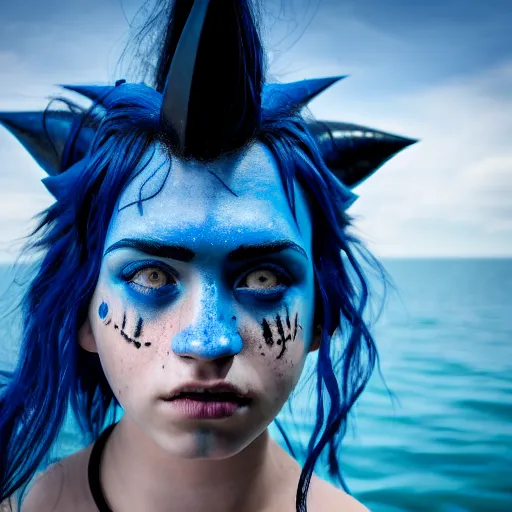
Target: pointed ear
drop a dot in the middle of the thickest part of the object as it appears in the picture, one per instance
(86, 337)
(317, 338)
(45, 136)
(353, 152)
(292, 97)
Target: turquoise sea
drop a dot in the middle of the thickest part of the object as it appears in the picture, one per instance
(444, 443)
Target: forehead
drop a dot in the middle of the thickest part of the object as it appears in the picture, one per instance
(235, 200)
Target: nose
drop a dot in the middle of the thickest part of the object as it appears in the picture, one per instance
(213, 334)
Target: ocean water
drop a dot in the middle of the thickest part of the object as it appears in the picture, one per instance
(444, 443)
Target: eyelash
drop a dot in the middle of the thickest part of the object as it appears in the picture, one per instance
(130, 271)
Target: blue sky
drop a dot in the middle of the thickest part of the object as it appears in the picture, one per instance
(440, 71)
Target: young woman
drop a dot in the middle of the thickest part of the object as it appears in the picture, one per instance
(196, 253)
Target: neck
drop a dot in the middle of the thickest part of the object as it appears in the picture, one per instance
(137, 474)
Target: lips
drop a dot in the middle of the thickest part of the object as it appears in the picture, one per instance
(215, 401)
(210, 397)
(216, 392)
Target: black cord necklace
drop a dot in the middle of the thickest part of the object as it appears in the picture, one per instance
(93, 470)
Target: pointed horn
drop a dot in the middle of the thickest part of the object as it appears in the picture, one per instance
(290, 97)
(45, 134)
(353, 152)
(94, 92)
(179, 80)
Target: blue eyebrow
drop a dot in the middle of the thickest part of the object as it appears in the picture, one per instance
(180, 253)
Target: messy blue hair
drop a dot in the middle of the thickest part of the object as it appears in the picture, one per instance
(54, 372)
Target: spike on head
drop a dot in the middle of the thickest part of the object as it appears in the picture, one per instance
(291, 97)
(95, 93)
(45, 136)
(179, 81)
(212, 98)
(353, 152)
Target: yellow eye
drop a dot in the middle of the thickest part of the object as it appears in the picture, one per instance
(151, 277)
(262, 279)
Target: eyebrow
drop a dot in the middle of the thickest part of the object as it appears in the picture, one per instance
(180, 253)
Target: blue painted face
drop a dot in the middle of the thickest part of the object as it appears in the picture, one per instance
(213, 282)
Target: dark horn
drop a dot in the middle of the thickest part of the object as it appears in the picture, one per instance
(179, 80)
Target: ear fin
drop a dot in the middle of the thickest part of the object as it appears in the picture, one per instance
(293, 96)
(353, 152)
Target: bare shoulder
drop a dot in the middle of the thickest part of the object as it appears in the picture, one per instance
(45, 492)
(61, 486)
(324, 497)
(8, 505)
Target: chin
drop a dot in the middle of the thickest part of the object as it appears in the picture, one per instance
(206, 442)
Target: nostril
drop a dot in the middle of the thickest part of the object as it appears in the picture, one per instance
(223, 360)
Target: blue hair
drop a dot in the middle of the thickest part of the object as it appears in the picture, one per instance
(54, 372)
(342, 293)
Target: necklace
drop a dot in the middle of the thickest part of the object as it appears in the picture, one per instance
(93, 470)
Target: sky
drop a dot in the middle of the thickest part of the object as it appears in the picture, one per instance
(435, 70)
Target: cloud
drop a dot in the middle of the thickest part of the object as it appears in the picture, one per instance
(447, 195)
(22, 195)
(459, 174)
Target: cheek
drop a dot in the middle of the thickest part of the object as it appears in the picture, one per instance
(133, 344)
(276, 345)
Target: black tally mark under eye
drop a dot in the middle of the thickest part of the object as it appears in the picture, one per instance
(136, 334)
(282, 338)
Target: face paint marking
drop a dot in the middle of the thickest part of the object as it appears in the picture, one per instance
(108, 321)
(138, 329)
(203, 442)
(267, 333)
(225, 186)
(126, 337)
(280, 330)
(141, 199)
(283, 338)
(209, 336)
(103, 310)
